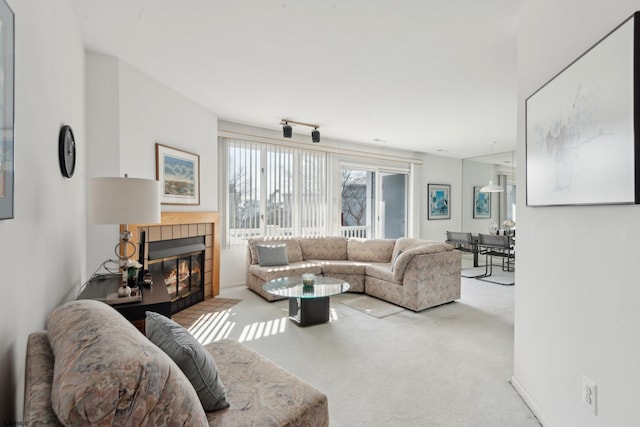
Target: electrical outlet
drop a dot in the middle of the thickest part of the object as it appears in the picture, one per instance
(589, 394)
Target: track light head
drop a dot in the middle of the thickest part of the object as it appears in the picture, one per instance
(315, 135)
(287, 131)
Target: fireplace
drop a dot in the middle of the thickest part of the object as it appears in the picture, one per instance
(175, 229)
(181, 263)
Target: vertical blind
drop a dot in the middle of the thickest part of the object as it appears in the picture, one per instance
(273, 190)
(313, 193)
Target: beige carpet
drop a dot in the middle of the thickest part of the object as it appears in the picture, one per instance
(447, 366)
(372, 306)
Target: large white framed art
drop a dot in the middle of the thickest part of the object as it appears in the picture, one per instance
(581, 137)
(7, 68)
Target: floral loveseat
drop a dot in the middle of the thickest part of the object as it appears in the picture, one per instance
(412, 273)
(92, 367)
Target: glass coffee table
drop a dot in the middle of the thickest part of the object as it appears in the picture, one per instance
(308, 304)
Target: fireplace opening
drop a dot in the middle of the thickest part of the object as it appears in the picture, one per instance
(181, 263)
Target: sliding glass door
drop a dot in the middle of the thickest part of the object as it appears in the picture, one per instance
(393, 205)
(374, 203)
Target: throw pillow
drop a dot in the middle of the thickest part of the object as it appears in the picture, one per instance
(393, 264)
(272, 255)
(191, 356)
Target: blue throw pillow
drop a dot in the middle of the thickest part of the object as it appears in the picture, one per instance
(192, 358)
(272, 255)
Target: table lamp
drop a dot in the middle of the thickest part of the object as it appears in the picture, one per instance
(124, 201)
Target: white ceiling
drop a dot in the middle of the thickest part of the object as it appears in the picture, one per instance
(436, 76)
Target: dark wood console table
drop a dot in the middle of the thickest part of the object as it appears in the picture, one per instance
(154, 298)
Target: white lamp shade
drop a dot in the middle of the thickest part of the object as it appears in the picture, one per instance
(124, 201)
(491, 188)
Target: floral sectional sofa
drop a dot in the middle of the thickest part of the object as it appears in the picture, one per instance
(412, 273)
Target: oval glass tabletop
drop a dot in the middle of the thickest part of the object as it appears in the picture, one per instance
(292, 287)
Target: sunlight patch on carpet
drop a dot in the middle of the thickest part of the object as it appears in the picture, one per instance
(257, 330)
(210, 320)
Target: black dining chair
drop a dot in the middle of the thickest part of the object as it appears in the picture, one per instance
(491, 245)
(465, 242)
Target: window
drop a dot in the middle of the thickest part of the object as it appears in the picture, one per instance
(358, 198)
(511, 200)
(274, 190)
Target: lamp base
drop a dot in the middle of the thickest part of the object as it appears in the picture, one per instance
(124, 291)
(121, 249)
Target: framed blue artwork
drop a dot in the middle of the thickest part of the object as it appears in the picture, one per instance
(439, 196)
(481, 204)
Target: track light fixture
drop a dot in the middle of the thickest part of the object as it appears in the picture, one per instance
(287, 131)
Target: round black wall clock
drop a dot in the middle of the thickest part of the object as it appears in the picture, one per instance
(67, 151)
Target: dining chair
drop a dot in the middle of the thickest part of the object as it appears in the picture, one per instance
(465, 242)
(491, 245)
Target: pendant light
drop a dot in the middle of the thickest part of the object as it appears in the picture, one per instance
(491, 187)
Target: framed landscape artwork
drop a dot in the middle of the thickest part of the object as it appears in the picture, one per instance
(179, 174)
(582, 141)
(439, 195)
(481, 204)
(6, 111)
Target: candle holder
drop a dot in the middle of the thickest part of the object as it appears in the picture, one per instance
(308, 279)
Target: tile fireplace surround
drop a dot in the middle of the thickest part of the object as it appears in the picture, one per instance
(177, 225)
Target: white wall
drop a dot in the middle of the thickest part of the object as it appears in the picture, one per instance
(151, 112)
(42, 250)
(129, 112)
(103, 144)
(576, 281)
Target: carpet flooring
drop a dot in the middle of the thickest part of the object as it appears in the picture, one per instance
(500, 277)
(497, 276)
(372, 306)
(445, 366)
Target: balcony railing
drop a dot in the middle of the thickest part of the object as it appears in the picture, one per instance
(361, 231)
(238, 235)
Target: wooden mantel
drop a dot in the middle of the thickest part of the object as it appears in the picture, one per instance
(193, 221)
